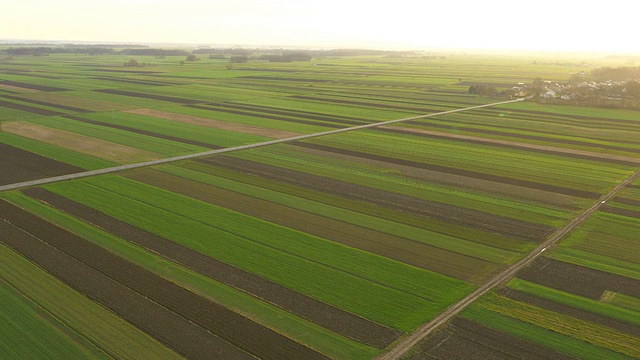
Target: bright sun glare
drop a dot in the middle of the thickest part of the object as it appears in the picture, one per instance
(401, 24)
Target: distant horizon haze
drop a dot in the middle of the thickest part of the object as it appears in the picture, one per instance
(543, 25)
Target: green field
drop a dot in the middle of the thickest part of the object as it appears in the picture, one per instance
(337, 246)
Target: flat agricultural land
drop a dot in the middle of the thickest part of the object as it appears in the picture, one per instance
(337, 246)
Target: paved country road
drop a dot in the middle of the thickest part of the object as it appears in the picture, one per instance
(405, 345)
(114, 169)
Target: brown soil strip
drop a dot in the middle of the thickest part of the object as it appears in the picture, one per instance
(91, 105)
(131, 81)
(325, 315)
(546, 114)
(32, 86)
(166, 326)
(491, 84)
(408, 251)
(284, 79)
(483, 186)
(129, 71)
(465, 339)
(19, 165)
(149, 96)
(589, 130)
(44, 103)
(29, 73)
(297, 113)
(555, 119)
(454, 171)
(80, 143)
(626, 201)
(31, 109)
(232, 327)
(571, 311)
(17, 88)
(528, 137)
(580, 154)
(618, 211)
(144, 132)
(217, 124)
(576, 279)
(366, 104)
(262, 115)
(444, 212)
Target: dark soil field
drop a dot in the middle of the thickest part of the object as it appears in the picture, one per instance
(449, 213)
(323, 314)
(72, 250)
(19, 165)
(44, 103)
(31, 109)
(465, 339)
(579, 280)
(33, 86)
(626, 201)
(168, 327)
(618, 211)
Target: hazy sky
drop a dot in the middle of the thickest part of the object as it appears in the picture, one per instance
(570, 25)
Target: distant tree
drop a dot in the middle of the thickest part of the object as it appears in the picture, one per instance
(633, 90)
(483, 90)
(132, 63)
(192, 57)
(181, 62)
(239, 59)
(229, 66)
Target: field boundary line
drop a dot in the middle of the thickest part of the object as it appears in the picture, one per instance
(409, 342)
(113, 169)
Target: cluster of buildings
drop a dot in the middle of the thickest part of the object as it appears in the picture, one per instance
(591, 92)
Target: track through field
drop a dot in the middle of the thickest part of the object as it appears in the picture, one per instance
(109, 170)
(409, 342)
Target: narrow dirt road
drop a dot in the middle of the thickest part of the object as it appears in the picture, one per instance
(230, 149)
(405, 345)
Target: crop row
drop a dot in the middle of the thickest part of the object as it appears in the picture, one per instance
(581, 302)
(219, 283)
(156, 305)
(370, 287)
